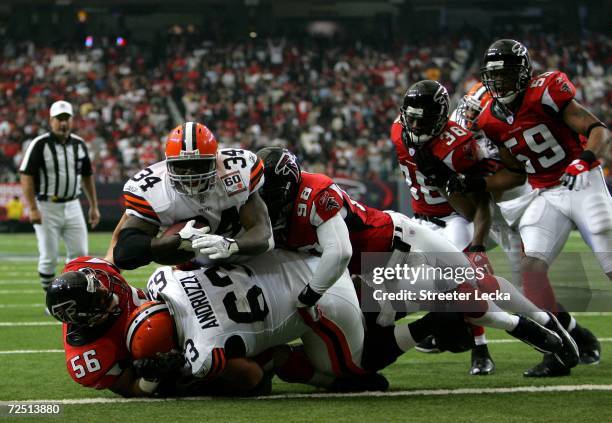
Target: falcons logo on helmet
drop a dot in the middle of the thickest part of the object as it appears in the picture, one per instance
(65, 311)
(287, 165)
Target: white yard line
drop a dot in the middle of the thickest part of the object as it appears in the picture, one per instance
(21, 305)
(491, 341)
(18, 324)
(411, 393)
(10, 352)
(21, 291)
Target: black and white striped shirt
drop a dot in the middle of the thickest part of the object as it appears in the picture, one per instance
(57, 167)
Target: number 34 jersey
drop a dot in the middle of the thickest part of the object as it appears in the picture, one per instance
(537, 135)
(149, 195)
(234, 310)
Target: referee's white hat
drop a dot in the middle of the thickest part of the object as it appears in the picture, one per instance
(60, 107)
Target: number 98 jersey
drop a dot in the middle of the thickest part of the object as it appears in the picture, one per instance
(149, 195)
(234, 310)
(537, 135)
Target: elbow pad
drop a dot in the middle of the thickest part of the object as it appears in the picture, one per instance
(133, 249)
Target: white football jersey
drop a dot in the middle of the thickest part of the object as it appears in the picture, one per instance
(149, 194)
(254, 305)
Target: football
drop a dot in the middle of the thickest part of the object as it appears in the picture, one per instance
(182, 256)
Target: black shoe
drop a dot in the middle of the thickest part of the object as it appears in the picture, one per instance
(428, 346)
(360, 383)
(568, 355)
(536, 335)
(588, 345)
(482, 363)
(549, 367)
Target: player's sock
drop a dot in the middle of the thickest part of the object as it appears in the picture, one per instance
(45, 280)
(567, 320)
(538, 289)
(479, 335)
(495, 317)
(517, 302)
(403, 338)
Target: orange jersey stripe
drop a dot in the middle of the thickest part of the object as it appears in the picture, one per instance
(135, 199)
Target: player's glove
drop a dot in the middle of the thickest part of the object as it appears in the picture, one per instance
(215, 246)
(435, 170)
(478, 257)
(188, 234)
(576, 176)
(458, 183)
(306, 304)
(160, 366)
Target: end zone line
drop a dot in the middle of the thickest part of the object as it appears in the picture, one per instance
(323, 395)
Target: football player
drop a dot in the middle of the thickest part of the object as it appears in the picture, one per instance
(239, 311)
(197, 182)
(501, 232)
(307, 206)
(429, 148)
(536, 123)
(93, 301)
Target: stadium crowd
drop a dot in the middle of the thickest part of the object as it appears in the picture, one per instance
(331, 104)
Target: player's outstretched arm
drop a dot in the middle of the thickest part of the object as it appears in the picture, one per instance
(109, 252)
(129, 385)
(257, 237)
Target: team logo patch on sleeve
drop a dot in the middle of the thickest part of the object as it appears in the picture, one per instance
(233, 183)
(328, 202)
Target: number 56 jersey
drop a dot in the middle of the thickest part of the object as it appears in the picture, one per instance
(236, 310)
(150, 196)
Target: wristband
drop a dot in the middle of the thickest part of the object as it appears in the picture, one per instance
(308, 296)
(587, 156)
(476, 249)
(593, 126)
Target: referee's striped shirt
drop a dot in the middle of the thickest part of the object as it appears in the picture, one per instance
(56, 166)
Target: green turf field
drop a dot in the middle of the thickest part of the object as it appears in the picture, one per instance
(423, 387)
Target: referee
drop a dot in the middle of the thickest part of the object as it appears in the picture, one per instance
(54, 167)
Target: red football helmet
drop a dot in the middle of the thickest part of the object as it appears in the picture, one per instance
(191, 152)
(150, 330)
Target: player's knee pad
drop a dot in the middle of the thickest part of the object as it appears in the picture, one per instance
(598, 212)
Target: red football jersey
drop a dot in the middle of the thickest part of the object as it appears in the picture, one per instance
(318, 200)
(98, 363)
(455, 146)
(537, 135)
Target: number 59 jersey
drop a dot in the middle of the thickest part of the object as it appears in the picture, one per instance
(537, 135)
(234, 310)
(150, 196)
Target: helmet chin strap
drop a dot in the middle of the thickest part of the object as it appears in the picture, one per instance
(508, 99)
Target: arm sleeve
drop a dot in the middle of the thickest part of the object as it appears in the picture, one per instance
(256, 179)
(86, 169)
(334, 238)
(138, 206)
(559, 92)
(32, 159)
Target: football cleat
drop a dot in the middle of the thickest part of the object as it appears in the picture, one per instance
(482, 363)
(568, 355)
(536, 335)
(360, 383)
(588, 345)
(428, 346)
(549, 367)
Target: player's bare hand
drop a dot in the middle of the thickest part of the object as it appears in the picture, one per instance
(94, 217)
(35, 217)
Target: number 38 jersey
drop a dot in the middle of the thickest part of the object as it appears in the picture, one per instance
(234, 310)
(537, 135)
(455, 146)
(150, 196)
(96, 356)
